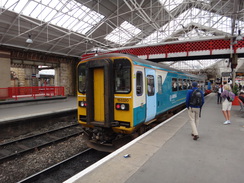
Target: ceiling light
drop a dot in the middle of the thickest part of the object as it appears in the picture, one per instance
(29, 40)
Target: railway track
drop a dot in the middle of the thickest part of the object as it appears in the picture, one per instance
(67, 168)
(19, 147)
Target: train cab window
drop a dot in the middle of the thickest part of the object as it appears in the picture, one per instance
(174, 84)
(139, 83)
(82, 78)
(160, 90)
(180, 84)
(150, 85)
(122, 73)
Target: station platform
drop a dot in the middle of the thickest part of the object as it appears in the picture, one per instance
(168, 153)
(22, 109)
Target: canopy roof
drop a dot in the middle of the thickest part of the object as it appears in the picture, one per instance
(75, 27)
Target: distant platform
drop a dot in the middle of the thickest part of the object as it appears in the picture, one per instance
(21, 109)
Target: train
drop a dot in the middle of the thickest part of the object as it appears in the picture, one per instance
(120, 96)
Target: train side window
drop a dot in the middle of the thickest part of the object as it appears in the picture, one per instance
(190, 84)
(180, 84)
(139, 83)
(160, 90)
(184, 84)
(82, 78)
(174, 84)
(150, 85)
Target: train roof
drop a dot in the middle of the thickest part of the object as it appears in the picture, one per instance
(143, 61)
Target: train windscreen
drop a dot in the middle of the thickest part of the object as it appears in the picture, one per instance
(122, 73)
(82, 78)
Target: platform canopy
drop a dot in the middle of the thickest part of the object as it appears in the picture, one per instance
(76, 27)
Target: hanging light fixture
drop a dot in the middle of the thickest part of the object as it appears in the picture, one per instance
(29, 40)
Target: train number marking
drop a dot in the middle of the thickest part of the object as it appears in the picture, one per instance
(123, 100)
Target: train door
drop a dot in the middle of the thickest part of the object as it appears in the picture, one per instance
(139, 93)
(151, 94)
(98, 89)
(100, 92)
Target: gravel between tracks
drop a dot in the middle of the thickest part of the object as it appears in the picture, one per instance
(21, 167)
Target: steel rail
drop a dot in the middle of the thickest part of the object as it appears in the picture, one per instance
(20, 147)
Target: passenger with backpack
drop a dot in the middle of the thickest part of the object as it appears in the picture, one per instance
(228, 96)
(194, 103)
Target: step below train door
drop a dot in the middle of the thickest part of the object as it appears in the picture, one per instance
(151, 94)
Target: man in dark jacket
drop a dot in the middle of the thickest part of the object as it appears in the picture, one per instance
(194, 111)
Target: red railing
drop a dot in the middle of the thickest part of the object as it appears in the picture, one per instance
(186, 48)
(28, 92)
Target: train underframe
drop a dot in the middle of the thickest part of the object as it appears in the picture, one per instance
(105, 139)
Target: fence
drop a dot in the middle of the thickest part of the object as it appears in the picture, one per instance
(29, 92)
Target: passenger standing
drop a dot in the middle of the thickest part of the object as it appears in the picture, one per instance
(220, 90)
(194, 108)
(227, 104)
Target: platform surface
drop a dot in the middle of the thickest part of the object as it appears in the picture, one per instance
(26, 109)
(168, 154)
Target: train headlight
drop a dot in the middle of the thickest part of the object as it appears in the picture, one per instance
(82, 103)
(122, 106)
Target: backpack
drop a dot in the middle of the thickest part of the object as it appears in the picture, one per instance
(196, 98)
(230, 97)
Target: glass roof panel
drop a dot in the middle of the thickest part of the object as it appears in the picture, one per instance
(65, 13)
(49, 13)
(82, 27)
(29, 8)
(185, 21)
(55, 20)
(38, 9)
(122, 34)
(170, 4)
(55, 4)
(19, 6)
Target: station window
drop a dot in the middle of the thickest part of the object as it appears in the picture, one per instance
(122, 73)
(160, 89)
(139, 83)
(150, 85)
(82, 78)
(174, 84)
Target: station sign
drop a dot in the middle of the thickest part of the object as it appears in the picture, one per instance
(226, 74)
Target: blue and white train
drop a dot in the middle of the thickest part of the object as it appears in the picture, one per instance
(120, 95)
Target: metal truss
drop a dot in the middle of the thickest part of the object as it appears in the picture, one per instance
(80, 26)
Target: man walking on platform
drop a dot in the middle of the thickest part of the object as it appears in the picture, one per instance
(194, 103)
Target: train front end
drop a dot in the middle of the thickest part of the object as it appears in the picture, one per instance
(105, 101)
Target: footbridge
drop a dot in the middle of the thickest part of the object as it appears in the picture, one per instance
(208, 48)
